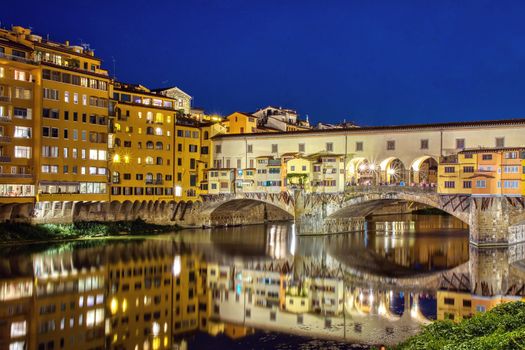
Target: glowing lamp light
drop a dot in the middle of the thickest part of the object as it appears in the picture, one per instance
(155, 329)
(362, 167)
(126, 159)
(391, 171)
(116, 158)
(124, 305)
(176, 266)
(372, 167)
(113, 306)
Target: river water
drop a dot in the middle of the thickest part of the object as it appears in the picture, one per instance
(252, 287)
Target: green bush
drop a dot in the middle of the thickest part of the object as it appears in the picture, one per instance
(502, 328)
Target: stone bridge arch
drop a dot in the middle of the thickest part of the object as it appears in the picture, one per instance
(344, 212)
(239, 209)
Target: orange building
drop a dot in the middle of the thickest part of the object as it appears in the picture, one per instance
(483, 172)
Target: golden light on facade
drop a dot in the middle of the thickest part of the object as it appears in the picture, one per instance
(113, 306)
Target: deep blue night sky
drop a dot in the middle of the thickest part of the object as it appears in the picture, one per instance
(373, 62)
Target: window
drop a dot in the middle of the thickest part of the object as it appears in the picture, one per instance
(468, 169)
(450, 184)
(448, 301)
(22, 132)
(481, 183)
(18, 329)
(467, 184)
(66, 96)
(513, 184)
(359, 146)
(329, 147)
(218, 149)
(22, 152)
(51, 94)
(274, 148)
(424, 144)
(390, 145)
(450, 169)
(249, 149)
(500, 142)
(486, 157)
(514, 169)
(302, 147)
(460, 143)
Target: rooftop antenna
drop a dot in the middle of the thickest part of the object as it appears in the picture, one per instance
(114, 68)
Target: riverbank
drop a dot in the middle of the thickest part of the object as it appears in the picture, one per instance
(21, 233)
(501, 328)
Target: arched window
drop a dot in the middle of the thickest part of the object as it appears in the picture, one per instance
(159, 177)
(149, 117)
(159, 145)
(206, 135)
(149, 178)
(159, 160)
(158, 131)
(149, 160)
(149, 145)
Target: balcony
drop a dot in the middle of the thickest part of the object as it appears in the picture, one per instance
(5, 119)
(5, 139)
(15, 176)
(5, 159)
(5, 99)
(17, 58)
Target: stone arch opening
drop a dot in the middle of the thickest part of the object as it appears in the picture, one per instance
(247, 211)
(393, 171)
(361, 171)
(424, 171)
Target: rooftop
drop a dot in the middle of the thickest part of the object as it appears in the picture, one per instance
(365, 129)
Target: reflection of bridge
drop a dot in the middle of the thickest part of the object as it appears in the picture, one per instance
(492, 220)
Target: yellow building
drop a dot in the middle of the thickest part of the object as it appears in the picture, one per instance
(141, 145)
(298, 173)
(73, 150)
(483, 172)
(20, 107)
(240, 123)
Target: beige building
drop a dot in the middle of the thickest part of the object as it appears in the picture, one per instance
(392, 154)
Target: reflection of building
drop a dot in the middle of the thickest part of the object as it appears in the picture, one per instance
(458, 305)
(16, 310)
(69, 309)
(139, 299)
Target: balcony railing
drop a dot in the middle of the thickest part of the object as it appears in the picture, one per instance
(5, 99)
(5, 119)
(5, 139)
(18, 59)
(16, 176)
(5, 159)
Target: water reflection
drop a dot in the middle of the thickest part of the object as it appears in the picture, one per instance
(378, 286)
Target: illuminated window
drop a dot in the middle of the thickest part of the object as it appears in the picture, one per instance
(18, 329)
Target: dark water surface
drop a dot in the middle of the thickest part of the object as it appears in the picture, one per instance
(256, 287)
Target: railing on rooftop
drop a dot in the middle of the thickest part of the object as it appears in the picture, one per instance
(18, 58)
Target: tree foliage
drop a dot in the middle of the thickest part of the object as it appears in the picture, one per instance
(502, 328)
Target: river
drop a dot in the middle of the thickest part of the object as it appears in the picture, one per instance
(251, 287)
